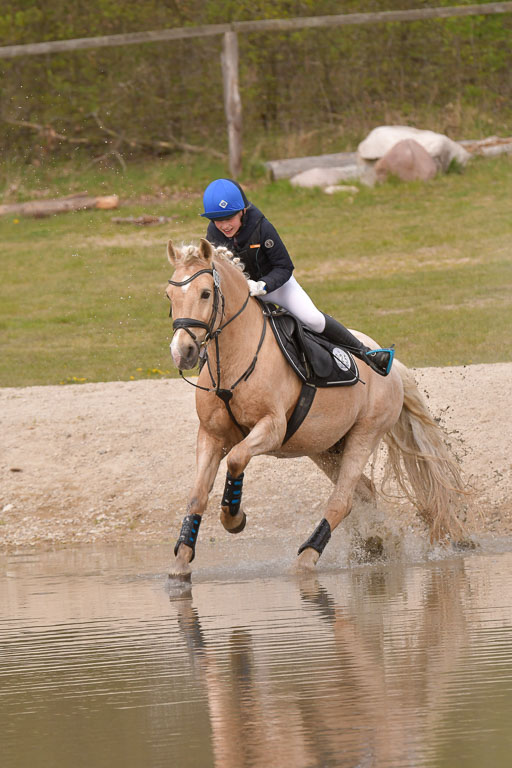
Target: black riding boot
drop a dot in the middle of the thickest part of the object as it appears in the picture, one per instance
(379, 360)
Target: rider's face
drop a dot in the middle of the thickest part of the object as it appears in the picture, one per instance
(229, 227)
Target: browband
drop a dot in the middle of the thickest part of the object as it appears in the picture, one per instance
(193, 277)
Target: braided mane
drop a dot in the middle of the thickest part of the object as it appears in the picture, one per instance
(189, 254)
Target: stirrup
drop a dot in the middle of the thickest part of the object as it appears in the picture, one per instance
(380, 360)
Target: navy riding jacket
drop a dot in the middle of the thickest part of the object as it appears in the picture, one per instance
(259, 248)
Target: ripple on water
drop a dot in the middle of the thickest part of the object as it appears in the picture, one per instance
(402, 662)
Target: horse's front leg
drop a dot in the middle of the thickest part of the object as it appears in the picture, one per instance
(208, 456)
(266, 435)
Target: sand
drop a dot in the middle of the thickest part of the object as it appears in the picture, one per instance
(113, 462)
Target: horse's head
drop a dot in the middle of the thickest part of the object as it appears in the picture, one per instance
(194, 301)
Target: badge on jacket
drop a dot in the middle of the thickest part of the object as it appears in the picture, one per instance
(269, 243)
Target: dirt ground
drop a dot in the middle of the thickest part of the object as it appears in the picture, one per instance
(113, 462)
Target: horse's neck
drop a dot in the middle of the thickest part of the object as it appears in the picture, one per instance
(241, 327)
(241, 335)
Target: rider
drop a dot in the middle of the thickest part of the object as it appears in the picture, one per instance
(238, 225)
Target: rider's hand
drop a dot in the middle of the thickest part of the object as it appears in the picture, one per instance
(257, 288)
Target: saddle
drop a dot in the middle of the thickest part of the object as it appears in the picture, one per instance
(316, 360)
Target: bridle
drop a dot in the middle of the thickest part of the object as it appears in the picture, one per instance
(186, 323)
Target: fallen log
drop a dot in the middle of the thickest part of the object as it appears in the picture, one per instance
(41, 208)
(285, 169)
(143, 220)
(489, 147)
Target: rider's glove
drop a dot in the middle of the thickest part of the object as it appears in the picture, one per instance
(257, 288)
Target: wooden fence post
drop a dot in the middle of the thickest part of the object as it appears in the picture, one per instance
(232, 101)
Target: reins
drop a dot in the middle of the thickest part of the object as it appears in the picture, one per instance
(185, 323)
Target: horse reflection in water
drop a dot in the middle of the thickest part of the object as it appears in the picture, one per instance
(353, 687)
(247, 393)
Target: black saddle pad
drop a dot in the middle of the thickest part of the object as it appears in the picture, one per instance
(314, 359)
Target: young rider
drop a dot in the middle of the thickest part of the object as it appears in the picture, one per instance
(238, 225)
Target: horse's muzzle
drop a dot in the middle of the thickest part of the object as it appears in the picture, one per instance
(184, 352)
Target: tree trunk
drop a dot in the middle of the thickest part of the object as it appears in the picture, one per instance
(232, 102)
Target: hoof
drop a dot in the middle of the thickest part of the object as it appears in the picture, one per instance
(180, 570)
(240, 527)
(184, 578)
(178, 586)
(234, 524)
(307, 560)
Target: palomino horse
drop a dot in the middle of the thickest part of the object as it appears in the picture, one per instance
(247, 392)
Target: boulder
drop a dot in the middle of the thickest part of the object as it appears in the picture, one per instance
(379, 141)
(408, 161)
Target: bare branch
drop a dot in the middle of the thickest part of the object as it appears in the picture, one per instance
(51, 136)
(47, 132)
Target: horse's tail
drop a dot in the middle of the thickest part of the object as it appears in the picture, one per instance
(422, 464)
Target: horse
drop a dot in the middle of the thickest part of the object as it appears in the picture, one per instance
(246, 392)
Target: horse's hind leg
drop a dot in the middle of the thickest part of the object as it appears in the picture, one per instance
(209, 453)
(329, 463)
(357, 449)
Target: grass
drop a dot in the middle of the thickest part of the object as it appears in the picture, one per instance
(426, 266)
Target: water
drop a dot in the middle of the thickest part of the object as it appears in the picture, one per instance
(393, 664)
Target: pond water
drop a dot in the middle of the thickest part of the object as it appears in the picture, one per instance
(390, 664)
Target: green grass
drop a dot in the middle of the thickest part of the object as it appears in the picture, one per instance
(426, 266)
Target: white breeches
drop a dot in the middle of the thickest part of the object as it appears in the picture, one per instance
(295, 299)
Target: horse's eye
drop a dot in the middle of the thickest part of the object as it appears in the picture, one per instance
(206, 294)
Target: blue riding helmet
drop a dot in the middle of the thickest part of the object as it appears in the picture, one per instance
(222, 199)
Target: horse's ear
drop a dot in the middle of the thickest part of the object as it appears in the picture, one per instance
(205, 249)
(171, 253)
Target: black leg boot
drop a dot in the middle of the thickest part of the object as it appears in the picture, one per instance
(379, 360)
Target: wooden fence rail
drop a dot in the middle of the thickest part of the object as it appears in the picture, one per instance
(230, 47)
(262, 25)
